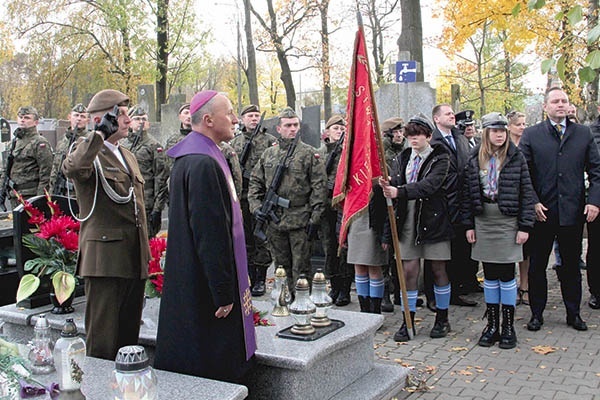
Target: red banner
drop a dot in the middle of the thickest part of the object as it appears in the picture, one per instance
(359, 161)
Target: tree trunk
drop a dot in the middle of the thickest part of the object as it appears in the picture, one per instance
(325, 66)
(411, 35)
(250, 69)
(286, 77)
(162, 56)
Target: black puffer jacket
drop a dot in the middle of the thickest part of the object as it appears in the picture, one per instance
(432, 222)
(515, 191)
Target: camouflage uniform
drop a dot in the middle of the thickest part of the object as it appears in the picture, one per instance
(177, 137)
(259, 257)
(304, 185)
(392, 150)
(59, 155)
(30, 172)
(155, 170)
(234, 166)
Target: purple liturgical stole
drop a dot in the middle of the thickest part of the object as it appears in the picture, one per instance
(196, 143)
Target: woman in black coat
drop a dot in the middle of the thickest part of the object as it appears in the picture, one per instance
(498, 213)
(423, 222)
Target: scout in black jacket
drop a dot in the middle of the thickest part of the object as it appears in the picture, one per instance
(498, 214)
(424, 226)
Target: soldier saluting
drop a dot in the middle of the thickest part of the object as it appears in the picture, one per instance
(30, 172)
(303, 184)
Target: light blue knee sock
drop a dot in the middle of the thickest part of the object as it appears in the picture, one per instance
(491, 291)
(376, 287)
(442, 296)
(508, 292)
(362, 285)
(412, 299)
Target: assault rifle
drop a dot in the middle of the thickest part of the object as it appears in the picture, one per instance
(248, 146)
(266, 212)
(6, 183)
(137, 136)
(334, 153)
(60, 185)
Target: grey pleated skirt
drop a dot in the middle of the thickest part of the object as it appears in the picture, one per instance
(363, 246)
(496, 237)
(439, 251)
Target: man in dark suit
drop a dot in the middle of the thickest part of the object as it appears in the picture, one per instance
(458, 147)
(113, 240)
(593, 250)
(465, 124)
(558, 152)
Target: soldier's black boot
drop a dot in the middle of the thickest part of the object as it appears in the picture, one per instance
(258, 289)
(491, 333)
(508, 337)
(386, 302)
(365, 303)
(334, 293)
(344, 296)
(441, 326)
(402, 334)
(375, 305)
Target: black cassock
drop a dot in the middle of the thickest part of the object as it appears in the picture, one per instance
(200, 276)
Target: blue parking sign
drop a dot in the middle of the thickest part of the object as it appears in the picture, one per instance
(406, 71)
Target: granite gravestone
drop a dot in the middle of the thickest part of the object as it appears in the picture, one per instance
(404, 100)
(146, 100)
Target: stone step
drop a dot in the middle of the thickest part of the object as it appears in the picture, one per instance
(383, 382)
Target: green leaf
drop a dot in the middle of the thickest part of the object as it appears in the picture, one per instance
(586, 74)
(593, 59)
(560, 68)
(150, 289)
(559, 16)
(64, 285)
(536, 4)
(516, 10)
(28, 285)
(575, 15)
(594, 34)
(547, 65)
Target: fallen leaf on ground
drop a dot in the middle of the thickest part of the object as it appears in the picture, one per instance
(415, 384)
(544, 349)
(459, 349)
(430, 369)
(465, 372)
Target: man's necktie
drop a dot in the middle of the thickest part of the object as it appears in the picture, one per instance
(559, 130)
(471, 143)
(450, 140)
(492, 176)
(414, 173)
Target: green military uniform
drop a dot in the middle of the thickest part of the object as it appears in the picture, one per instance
(234, 166)
(154, 166)
(32, 164)
(338, 271)
(259, 257)
(59, 155)
(177, 137)
(304, 185)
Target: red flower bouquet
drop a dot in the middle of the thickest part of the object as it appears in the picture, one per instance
(55, 241)
(154, 284)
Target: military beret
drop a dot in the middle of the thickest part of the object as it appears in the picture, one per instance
(335, 120)
(28, 110)
(136, 111)
(186, 106)
(288, 112)
(79, 108)
(494, 120)
(106, 99)
(200, 99)
(466, 117)
(250, 108)
(391, 124)
(421, 119)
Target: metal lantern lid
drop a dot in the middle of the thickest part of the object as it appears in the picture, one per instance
(131, 358)
(319, 276)
(42, 322)
(280, 272)
(302, 283)
(69, 329)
